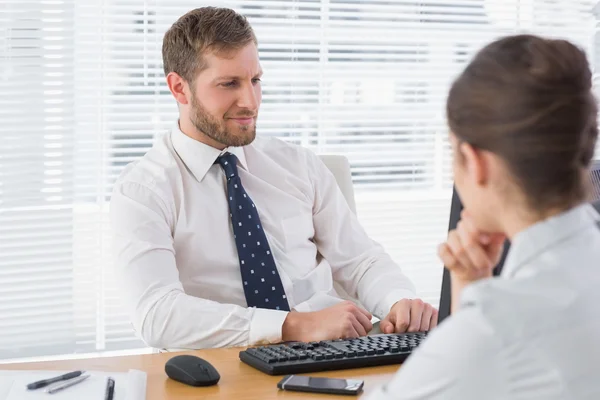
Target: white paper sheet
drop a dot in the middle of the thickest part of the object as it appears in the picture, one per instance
(128, 386)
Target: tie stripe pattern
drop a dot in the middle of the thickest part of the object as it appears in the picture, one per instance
(261, 280)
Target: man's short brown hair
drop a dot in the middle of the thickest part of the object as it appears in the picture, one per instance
(219, 30)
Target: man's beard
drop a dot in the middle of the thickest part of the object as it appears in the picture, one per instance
(216, 130)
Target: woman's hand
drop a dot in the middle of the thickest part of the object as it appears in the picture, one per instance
(469, 254)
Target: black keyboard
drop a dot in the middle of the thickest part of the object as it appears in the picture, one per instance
(299, 357)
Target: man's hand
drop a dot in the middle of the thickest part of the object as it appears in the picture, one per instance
(470, 254)
(409, 316)
(342, 321)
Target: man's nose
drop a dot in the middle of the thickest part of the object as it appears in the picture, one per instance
(248, 98)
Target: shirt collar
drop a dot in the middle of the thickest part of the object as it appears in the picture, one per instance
(542, 236)
(199, 157)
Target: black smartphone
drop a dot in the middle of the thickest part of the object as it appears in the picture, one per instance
(321, 385)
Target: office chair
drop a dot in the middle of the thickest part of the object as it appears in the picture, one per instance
(340, 168)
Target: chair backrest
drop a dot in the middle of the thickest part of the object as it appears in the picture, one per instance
(340, 168)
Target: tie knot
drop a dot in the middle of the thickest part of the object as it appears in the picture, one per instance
(228, 162)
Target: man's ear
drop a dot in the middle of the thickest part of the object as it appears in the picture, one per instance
(178, 87)
(476, 163)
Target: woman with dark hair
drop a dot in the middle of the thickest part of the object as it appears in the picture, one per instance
(522, 118)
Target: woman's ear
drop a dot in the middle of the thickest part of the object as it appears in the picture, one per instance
(475, 163)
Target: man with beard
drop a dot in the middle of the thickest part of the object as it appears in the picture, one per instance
(225, 239)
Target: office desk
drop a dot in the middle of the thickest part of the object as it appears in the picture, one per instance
(238, 380)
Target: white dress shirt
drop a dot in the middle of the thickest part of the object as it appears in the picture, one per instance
(176, 256)
(530, 334)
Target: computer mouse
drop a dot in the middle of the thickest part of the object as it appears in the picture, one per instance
(192, 371)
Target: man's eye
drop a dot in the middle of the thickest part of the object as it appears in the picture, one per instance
(256, 80)
(229, 84)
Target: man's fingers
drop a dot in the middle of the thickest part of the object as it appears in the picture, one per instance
(358, 327)
(434, 318)
(402, 316)
(363, 316)
(409, 316)
(426, 318)
(386, 326)
(364, 312)
(416, 313)
(348, 329)
(364, 321)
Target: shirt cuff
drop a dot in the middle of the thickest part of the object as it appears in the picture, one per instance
(302, 307)
(385, 305)
(266, 325)
(318, 302)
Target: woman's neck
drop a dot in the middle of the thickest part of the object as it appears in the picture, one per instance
(514, 222)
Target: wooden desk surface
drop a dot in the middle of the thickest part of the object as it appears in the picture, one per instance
(238, 380)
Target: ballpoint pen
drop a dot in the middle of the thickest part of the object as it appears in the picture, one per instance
(46, 382)
(67, 384)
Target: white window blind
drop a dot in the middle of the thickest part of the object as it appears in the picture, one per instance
(82, 94)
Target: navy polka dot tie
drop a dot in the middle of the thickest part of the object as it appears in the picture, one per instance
(262, 284)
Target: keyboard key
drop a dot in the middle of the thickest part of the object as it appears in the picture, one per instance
(251, 351)
(264, 357)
